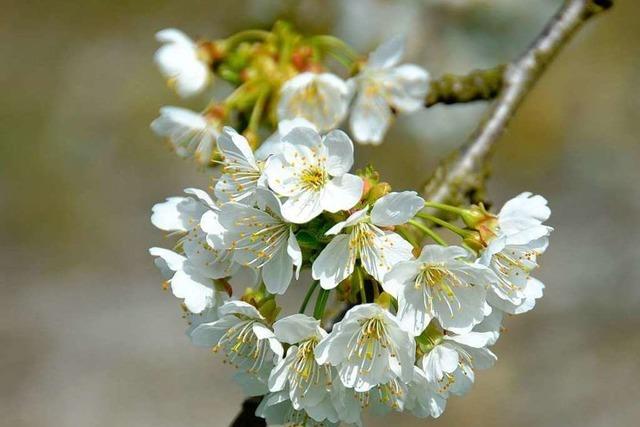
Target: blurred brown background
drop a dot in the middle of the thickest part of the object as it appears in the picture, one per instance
(89, 339)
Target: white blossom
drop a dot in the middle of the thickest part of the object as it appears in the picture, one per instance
(378, 249)
(243, 336)
(260, 238)
(180, 62)
(312, 173)
(368, 347)
(512, 254)
(443, 283)
(451, 361)
(381, 86)
(307, 382)
(189, 133)
(322, 99)
(242, 173)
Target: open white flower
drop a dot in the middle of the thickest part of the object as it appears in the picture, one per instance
(243, 336)
(512, 254)
(322, 99)
(443, 283)
(451, 361)
(307, 382)
(261, 239)
(424, 399)
(377, 249)
(312, 173)
(180, 62)
(190, 133)
(382, 85)
(369, 348)
(242, 173)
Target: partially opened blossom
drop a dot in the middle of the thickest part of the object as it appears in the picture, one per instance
(320, 98)
(312, 173)
(244, 337)
(307, 382)
(382, 87)
(443, 283)
(519, 237)
(451, 361)
(368, 347)
(180, 61)
(368, 239)
(241, 172)
(189, 133)
(260, 238)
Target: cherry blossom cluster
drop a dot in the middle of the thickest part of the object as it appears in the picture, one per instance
(272, 86)
(396, 324)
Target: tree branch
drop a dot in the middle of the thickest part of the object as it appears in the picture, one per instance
(478, 85)
(463, 175)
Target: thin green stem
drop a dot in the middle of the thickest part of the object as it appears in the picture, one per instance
(459, 231)
(443, 207)
(308, 295)
(258, 109)
(429, 232)
(321, 302)
(358, 278)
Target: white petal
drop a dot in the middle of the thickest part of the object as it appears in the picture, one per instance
(388, 53)
(278, 271)
(409, 85)
(195, 290)
(302, 207)
(235, 147)
(334, 264)
(294, 252)
(339, 153)
(370, 117)
(173, 261)
(296, 327)
(401, 275)
(462, 312)
(387, 250)
(342, 193)
(396, 208)
(239, 307)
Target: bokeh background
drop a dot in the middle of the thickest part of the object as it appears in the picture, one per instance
(87, 336)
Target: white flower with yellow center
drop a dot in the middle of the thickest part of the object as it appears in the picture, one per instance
(277, 410)
(243, 336)
(378, 249)
(307, 382)
(180, 62)
(383, 87)
(312, 173)
(189, 133)
(450, 363)
(261, 239)
(322, 99)
(368, 347)
(241, 173)
(520, 238)
(443, 283)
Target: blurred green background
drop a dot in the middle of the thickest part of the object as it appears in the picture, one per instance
(89, 338)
